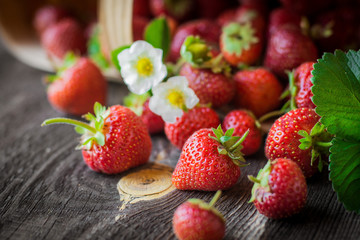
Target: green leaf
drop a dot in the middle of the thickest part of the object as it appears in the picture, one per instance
(136, 102)
(337, 92)
(114, 55)
(157, 33)
(345, 172)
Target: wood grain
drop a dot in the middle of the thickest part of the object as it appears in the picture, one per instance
(47, 192)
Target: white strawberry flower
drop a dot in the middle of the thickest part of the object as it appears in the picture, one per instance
(171, 98)
(142, 67)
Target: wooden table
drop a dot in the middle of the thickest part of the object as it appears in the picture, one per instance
(47, 191)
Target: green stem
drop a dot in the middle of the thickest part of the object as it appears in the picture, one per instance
(253, 179)
(271, 115)
(68, 121)
(323, 144)
(239, 141)
(215, 198)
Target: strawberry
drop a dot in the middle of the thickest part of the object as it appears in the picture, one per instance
(287, 49)
(179, 10)
(191, 121)
(280, 17)
(115, 140)
(306, 7)
(211, 88)
(280, 189)
(210, 160)
(298, 136)
(48, 15)
(226, 17)
(241, 121)
(241, 41)
(303, 83)
(62, 37)
(77, 86)
(196, 219)
(257, 90)
(140, 105)
(206, 29)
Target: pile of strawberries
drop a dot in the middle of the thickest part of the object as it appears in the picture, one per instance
(251, 59)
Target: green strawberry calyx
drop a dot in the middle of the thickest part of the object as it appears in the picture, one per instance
(208, 206)
(237, 37)
(261, 183)
(230, 145)
(319, 140)
(196, 52)
(136, 102)
(91, 133)
(70, 60)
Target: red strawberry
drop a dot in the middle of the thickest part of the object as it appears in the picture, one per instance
(303, 83)
(210, 160)
(257, 90)
(115, 140)
(287, 49)
(241, 121)
(179, 10)
(76, 88)
(206, 29)
(140, 105)
(306, 7)
(62, 37)
(190, 122)
(196, 219)
(280, 189)
(46, 16)
(298, 136)
(280, 17)
(226, 17)
(210, 87)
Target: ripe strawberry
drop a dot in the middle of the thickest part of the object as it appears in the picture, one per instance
(206, 29)
(210, 160)
(77, 86)
(179, 10)
(226, 17)
(190, 122)
(300, 137)
(210, 8)
(257, 90)
(241, 121)
(214, 88)
(280, 17)
(140, 105)
(287, 49)
(280, 189)
(303, 83)
(48, 15)
(306, 7)
(115, 140)
(63, 37)
(196, 219)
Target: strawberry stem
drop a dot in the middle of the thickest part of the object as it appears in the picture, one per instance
(323, 144)
(253, 179)
(70, 122)
(215, 198)
(269, 115)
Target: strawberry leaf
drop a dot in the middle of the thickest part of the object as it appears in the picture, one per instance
(115, 53)
(157, 33)
(345, 172)
(337, 93)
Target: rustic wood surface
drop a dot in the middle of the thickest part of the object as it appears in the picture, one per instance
(47, 192)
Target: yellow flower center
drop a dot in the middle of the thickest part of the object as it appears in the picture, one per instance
(176, 98)
(144, 67)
